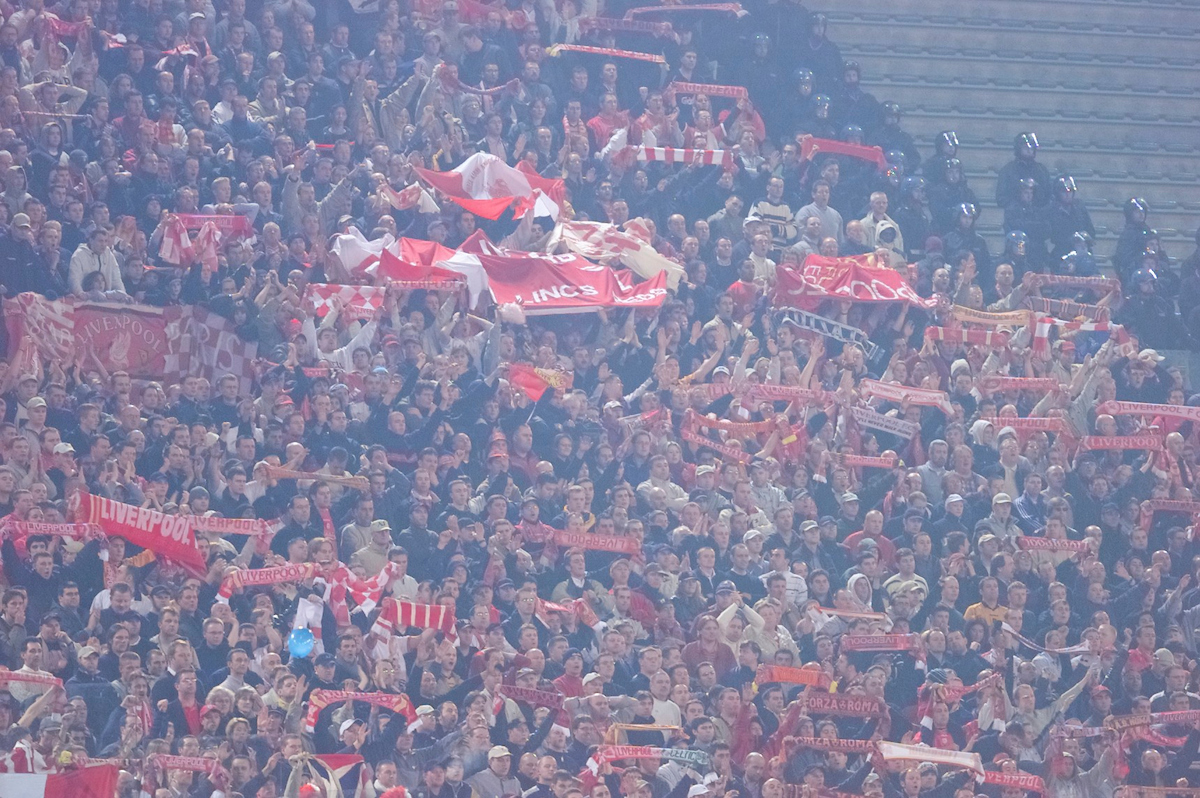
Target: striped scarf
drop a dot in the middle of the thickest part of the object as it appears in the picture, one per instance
(342, 584)
(892, 392)
(1012, 318)
(961, 335)
(685, 156)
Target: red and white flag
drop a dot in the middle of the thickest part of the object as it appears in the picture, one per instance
(176, 247)
(357, 253)
(358, 301)
(208, 245)
(405, 269)
(609, 244)
(487, 187)
(409, 197)
(98, 781)
(211, 348)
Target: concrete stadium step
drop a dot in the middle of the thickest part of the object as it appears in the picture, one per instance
(1105, 78)
(1136, 165)
(984, 37)
(1087, 132)
(1104, 12)
(1172, 208)
(1101, 193)
(1169, 62)
(980, 93)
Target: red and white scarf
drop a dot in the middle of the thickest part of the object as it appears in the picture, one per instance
(559, 49)
(999, 382)
(687, 157)
(625, 25)
(342, 584)
(961, 335)
(296, 572)
(1120, 442)
(892, 752)
(1149, 410)
(926, 397)
(709, 89)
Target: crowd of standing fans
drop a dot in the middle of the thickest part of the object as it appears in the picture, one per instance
(784, 551)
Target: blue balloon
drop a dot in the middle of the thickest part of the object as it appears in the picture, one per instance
(301, 642)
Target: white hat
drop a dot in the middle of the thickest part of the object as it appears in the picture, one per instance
(498, 751)
(347, 724)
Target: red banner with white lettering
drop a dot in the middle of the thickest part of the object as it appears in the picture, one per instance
(543, 284)
(169, 536)
(859, 278)
(132, 338)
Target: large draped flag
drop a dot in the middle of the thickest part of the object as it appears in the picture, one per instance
(543, 284)
(607, 243)
(97, 781)
(486, 186)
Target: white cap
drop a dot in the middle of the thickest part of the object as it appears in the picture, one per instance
(347, 724)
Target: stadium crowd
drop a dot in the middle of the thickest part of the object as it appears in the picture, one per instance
(771, 552)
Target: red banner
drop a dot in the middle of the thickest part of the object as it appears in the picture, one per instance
(543, 284)
(858, 278)
(169, 536)
(132, 338)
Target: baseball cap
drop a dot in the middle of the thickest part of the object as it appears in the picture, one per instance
(425, 709)
(1002, 498)
(88, 651)
(498, 751)
(591, 677)
(726, 587)
(1164, 657)
(953, 497)
(347, 725)
(705, 469)
(1098, 689)
(36, 401)
(64, 448)
(209, 708)
(21, 220)
(849, 497)
(807, 525)
(324, 660)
